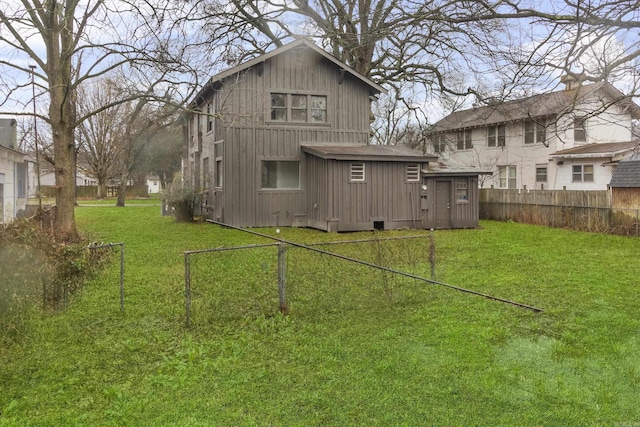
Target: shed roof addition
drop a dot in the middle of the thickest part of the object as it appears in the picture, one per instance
(608, 149)
(393, 153)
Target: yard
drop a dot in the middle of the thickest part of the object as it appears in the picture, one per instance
(359, 347)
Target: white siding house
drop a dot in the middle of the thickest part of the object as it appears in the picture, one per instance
(13, 173)
(569, 139)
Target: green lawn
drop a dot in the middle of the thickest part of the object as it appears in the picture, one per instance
(360, 347)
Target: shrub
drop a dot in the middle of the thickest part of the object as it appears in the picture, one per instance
(182, 197)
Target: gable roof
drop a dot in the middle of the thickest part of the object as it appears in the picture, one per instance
(361, 152)
(607, 149)
(299, 44)
(627, 174)
(537, 106)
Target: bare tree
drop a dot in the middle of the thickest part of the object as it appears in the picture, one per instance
(101, 135)
(73, 42)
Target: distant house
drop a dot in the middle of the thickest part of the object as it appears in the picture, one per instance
(282, 140)
(568, 139)
(13, 173)
(625, 184)
(153, 184)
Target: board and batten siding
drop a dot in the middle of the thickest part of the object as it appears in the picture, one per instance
(335, 203)
(244, 123)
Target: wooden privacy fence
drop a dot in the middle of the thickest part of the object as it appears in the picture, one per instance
(578, 210)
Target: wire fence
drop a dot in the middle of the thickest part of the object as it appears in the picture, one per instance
(315, 280)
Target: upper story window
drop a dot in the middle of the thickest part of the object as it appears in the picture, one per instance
(209, 118)
(534, 132)
(287, 107)
(582, 173)
(580, 129)
(439, 144)
(463, 139)
(496, 136)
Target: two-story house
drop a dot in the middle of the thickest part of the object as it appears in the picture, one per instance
(283, 140)
(568, 139)
(13, 173)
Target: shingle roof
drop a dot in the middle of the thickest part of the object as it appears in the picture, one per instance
(395, 153)
(627, 174)
(537, 106)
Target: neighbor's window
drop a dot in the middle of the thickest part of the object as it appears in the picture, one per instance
(281, 174)
(357, 172)
(412, 172)
(21, 177)
(496, 136)
(507, 177)
(541, 173)
(534, 132)
(463, 139)
(462, 192)
(582, 173)
(439, 144)
(301, 108)
(580, 129)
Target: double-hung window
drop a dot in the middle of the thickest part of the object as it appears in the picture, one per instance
(299, 108)
(496, 136)
(580, 129)
(507, 177)
(439, 144)
(582, 173)
(463, 140)
(541, 173)
(534, 132)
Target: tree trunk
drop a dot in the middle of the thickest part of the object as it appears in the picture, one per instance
(102, 189)
(122, 190)
(62, 116)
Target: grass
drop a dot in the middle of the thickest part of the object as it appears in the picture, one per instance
(359, 347)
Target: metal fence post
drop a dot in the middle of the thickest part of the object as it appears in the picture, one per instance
(282, 267)
(122, 277)
(187, 289)
(432, 254)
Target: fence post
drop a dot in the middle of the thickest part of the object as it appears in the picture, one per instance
(122, 277)
(432, 254)
(187, 289)
(282, 268)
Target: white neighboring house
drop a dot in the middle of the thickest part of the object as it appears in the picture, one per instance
(13, 173)
(568, 139)
(153, 184)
